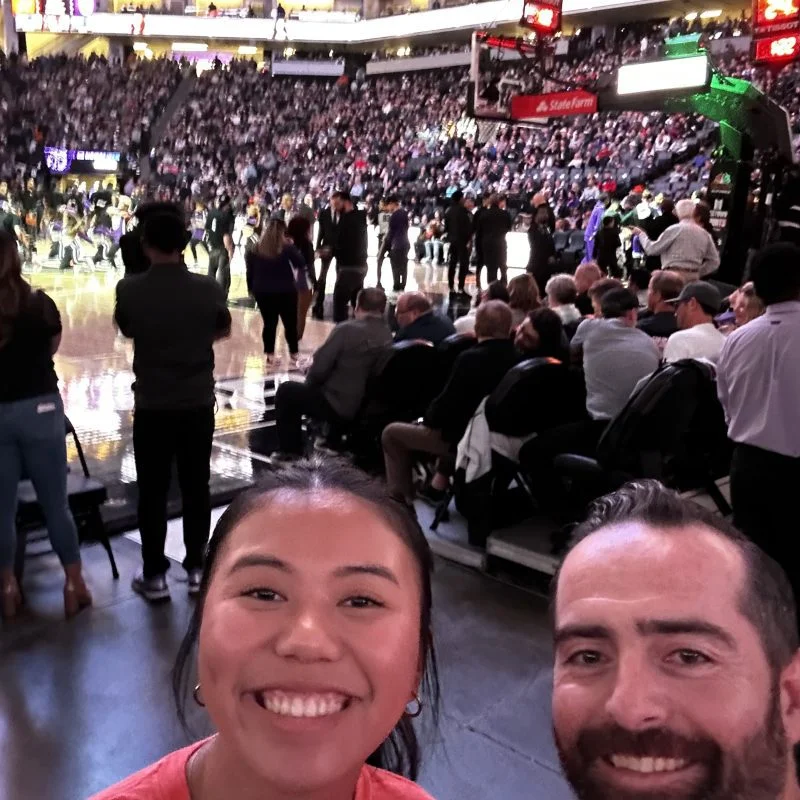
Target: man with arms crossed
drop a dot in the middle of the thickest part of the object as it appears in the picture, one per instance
(676, 669)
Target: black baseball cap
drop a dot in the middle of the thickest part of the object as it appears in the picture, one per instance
(706, 294)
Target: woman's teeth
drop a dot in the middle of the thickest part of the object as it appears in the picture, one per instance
(635, 764)
(306, 705)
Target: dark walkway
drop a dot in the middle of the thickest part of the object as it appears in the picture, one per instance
(85, 703)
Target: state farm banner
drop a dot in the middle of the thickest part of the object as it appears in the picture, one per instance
(556, 104)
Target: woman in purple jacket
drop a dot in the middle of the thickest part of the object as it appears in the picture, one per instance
(276, 270)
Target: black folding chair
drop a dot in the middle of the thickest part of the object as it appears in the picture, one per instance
(85, 496)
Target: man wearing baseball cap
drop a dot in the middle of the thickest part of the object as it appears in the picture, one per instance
(695, 308)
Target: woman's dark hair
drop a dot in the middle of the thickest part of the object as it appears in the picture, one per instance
(496, 290)
(400, 752)
(552, 339)
(299, 228)
(14, 289)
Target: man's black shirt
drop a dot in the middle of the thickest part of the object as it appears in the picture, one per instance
(173, 317)
(660, 325)
(351, 240)
(219, 223)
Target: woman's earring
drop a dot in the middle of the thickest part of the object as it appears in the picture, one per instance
(196, 696)
(418, 710)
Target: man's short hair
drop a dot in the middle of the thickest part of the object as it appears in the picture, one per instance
(457, 196)
(667, 283)
(344, 196)
(497, 290)
(372, 300)
(416, 301)
(562, 289)
(165, 232)
(392, 198)
(775, 272)
(766, 599)
(616, 303)
(604, 285)
(493, 320)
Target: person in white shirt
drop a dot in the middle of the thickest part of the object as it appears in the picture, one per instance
(686, 248)
(696, 306)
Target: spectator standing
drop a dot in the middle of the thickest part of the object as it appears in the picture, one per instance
(336, 383)
(32, 430)
(299, 231)
(685, 248)
(417, 319)
(326, 244)
(542, 259)
(758, 380)
(174, 317)
(350, 253)
(655, 225)
(606, 244)
(696, 306)
(458, 226)
(275, 268)
(492, 227)
(397, 243)
(219, 236)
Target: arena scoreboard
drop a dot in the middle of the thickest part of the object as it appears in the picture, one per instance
(544, 18)
(776, 31)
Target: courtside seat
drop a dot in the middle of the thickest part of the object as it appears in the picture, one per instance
(672, 429)
(449, 350)
(85, 496)
(535, 395)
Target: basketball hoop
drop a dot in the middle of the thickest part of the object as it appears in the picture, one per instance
(487, 130)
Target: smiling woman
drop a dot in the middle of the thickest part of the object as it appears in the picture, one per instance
(312, 637)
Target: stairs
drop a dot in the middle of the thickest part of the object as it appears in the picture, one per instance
(178, 98)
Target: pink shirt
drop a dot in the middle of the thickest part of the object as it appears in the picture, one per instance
(166, 780)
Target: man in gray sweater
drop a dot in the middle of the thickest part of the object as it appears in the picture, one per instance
(335, 385)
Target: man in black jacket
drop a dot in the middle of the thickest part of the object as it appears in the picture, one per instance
(458, 226)
(654, 226)
(326, 243)
(476, 373)
(492, 227)
(173, 317)
(350, 252)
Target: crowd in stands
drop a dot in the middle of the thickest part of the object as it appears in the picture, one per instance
(92, 103)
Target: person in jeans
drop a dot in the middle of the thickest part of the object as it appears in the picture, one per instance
(274, 269)
(173, 317)
(335, 386)
(32, 429)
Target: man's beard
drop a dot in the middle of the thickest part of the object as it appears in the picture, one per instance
(756, 771)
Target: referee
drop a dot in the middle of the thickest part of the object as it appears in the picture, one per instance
(219, 235)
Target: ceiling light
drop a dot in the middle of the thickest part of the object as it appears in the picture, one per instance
(189, 47)
(247, 50)
(140, 47)
(691, 16)
(713, 14)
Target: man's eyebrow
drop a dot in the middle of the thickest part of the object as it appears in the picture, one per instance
(567, 632)
(259, 560)
(696, 627)
(367, 569)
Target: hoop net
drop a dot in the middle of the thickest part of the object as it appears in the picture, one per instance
(487, 130)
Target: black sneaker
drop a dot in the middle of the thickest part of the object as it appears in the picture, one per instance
(154, 590)
(431, 495)
(195, 579)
